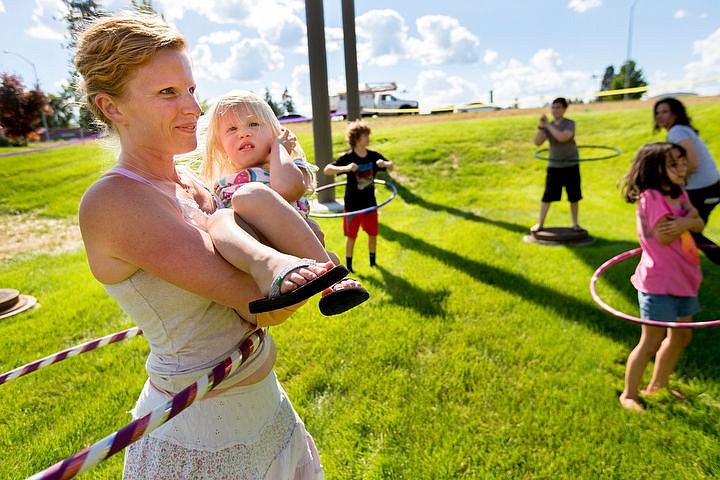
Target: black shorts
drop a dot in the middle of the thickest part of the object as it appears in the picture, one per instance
(559, 177)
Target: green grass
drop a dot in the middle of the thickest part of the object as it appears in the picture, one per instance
(478, 355)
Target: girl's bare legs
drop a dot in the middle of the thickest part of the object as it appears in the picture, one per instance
(277, 222)
(650, 341)
(235, 242)
(668, 355)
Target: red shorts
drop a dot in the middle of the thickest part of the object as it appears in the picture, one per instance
(368, 221)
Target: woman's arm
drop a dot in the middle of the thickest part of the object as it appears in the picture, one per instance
(691, 153)
(127, 226)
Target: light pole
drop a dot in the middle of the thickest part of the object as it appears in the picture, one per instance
(629, 49)
(37, 88)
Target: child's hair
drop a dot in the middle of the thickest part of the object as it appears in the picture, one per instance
(561, 101)
(677, 109)
(648, 171)
(355, 130)
(216, 163)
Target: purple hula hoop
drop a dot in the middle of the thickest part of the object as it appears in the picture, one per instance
(133, 431)
(618, 258)
(356, 212)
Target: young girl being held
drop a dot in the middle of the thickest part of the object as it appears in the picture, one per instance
(668, 275)
(244, 144)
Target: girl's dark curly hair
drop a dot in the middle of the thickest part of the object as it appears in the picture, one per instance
(648, 171)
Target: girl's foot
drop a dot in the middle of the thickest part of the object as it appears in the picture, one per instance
(296, 282)
(654, 390)
(341, 297)
(632, 404)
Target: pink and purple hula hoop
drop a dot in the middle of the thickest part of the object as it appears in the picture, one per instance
(133, 431)
(618, 258)
(364, 210)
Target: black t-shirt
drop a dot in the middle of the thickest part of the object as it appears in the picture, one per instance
(360, 188)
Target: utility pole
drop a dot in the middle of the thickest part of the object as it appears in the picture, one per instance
(629, 51)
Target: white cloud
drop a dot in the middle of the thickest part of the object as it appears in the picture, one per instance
(443, 41)
(490, 56)
(708, 65)
(381, 37)
(247, 60)
(219, 38)
(44, 15)
(542, 79)
(333, 39)
(2, 7)
(583, 5)
(438, 89)
(681, 14)
(286, 32)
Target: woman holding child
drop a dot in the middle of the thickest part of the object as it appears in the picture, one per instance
(147, 227)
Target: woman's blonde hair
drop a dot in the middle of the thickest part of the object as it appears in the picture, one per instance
(112, 47)
(240, 103)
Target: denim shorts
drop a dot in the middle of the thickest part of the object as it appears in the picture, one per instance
(666, 308)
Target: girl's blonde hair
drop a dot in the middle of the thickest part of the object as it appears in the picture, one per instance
(240, 103)
(112, 47)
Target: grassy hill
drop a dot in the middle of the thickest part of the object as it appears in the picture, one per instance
(479, 355)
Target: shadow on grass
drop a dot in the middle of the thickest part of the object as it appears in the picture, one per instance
(565, 305)
(412, 199)
(405, 294)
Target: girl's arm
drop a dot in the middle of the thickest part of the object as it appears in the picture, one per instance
(669, 228)
(285, 177)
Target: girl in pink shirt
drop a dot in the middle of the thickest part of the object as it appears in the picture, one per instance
(668, 275)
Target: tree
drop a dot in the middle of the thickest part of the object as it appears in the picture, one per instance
(275, 108)
(20, 110)
(287, 102)
(79, 14)
(606, 81)
(145, 6)
(617, 82)
(63, 114)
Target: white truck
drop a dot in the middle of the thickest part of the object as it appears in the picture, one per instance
(374, 100)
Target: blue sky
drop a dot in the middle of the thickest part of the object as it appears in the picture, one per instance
(440, 53)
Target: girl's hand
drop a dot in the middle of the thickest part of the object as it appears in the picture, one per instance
(287, 139)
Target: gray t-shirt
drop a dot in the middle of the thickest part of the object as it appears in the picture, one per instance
(563, 150)
(706, 172)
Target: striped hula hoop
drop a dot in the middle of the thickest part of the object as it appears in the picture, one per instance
(70, 352)
(133, 431)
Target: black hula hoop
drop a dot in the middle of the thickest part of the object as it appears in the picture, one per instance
(617, 313)
(615, 152)
(356, 212)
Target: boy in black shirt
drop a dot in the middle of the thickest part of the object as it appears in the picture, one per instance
(360, 165)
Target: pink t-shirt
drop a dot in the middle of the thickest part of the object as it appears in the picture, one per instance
(672, 269)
